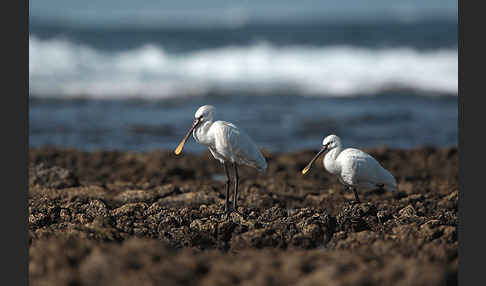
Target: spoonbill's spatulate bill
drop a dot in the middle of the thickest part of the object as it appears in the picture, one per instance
(227, 143)
(354, 168)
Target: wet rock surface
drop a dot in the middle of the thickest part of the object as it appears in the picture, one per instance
(51, 177)
(123, 218)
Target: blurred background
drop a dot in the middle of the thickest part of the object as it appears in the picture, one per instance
(129, 75)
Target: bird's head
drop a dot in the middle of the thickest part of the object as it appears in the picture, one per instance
(203, 113)
(330, 142)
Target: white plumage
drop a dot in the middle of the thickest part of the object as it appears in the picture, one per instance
(354, 168)
(227, 143)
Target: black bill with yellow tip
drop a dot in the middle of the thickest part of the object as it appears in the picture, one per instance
(179, 148)
(324, 149)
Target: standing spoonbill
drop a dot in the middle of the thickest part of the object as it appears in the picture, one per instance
(354, 168)
(228, 144)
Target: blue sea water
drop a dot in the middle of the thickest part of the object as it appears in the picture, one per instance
(131, 77)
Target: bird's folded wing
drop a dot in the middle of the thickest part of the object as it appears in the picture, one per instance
(237, 145)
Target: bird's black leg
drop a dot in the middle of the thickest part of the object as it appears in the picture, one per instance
(356, 195)
(346, 188)
(235, 196)
(228, 181)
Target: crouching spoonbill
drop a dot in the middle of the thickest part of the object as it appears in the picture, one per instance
(354, 168)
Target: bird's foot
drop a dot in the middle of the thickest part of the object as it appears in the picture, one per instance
(239, 213)
(353, 202)
(229, 210)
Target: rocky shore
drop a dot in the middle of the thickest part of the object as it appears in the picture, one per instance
(153, 218)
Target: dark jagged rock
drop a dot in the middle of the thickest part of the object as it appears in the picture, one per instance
(52, 177)
(122, 218)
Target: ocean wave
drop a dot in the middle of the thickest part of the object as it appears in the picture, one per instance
(62, 68)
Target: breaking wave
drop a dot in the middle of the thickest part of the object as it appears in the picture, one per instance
(62, 68)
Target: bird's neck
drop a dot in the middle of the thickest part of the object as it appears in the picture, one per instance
(330, 160)
(334, 153)
(201, 133)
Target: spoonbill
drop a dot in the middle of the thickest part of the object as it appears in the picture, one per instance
(228, 144)
(354, 168)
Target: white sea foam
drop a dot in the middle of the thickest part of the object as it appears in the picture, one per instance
(59, 67)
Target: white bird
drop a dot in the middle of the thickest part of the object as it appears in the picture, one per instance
(354, 168)
(228, 144)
